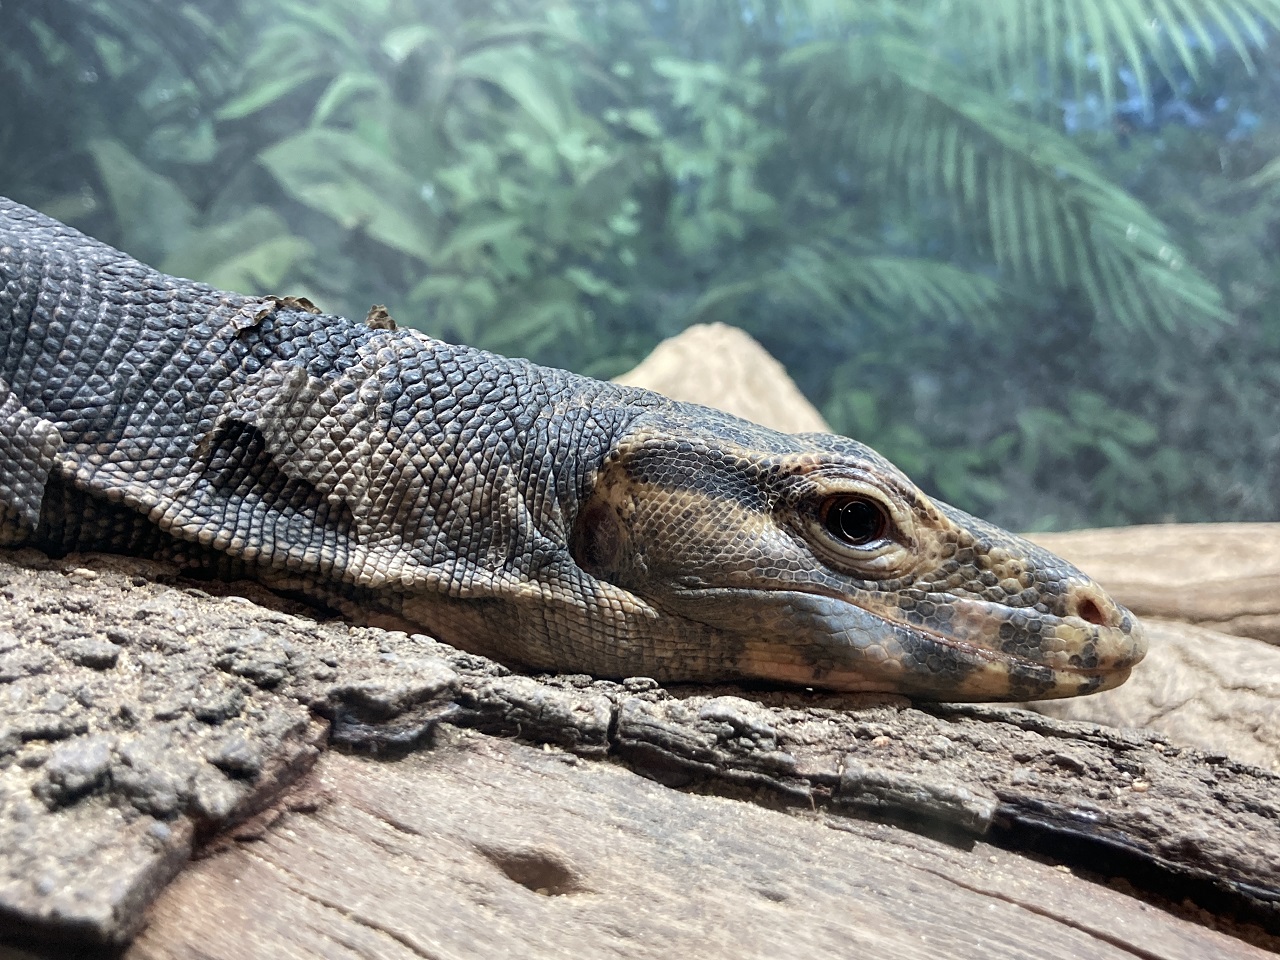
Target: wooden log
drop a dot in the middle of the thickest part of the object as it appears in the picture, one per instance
(1220, 576)
(153, 716)
(721, 366)
(1210, 596)
(1213, 691)
(483, 847)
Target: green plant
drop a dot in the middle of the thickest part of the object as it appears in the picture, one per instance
(967, 226)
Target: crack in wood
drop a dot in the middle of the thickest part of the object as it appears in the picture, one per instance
(1182, 820)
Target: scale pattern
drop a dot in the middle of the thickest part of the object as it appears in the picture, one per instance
(546, 519)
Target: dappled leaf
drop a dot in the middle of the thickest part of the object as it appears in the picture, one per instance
(359, 188)
(524, 78)
(151, 209)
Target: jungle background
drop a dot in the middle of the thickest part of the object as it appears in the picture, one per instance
(1028, 250)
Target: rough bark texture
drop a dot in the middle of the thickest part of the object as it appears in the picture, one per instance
(138, 718)
(488, 848)
(1203, 689)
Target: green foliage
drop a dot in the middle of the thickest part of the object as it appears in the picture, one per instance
(966, 226)
(356, 186)
(1048, 47)
(1031, 199)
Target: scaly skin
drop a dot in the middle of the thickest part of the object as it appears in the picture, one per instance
(542, 518)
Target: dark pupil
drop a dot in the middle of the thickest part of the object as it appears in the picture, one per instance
(855, 521)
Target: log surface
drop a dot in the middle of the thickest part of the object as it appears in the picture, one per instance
(484, 847)
(1220, 576)
(139, 718)
(1210, 596)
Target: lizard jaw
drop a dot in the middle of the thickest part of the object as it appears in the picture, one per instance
(818, 640)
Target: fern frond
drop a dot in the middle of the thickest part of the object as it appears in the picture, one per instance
(1027, 41)
(1028, 192)
(823, 277)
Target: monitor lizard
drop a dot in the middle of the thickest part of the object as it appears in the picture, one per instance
(548, 520)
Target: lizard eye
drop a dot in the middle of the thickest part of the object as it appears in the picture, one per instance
(855, 520)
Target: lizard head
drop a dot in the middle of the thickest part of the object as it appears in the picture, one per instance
(810, 559)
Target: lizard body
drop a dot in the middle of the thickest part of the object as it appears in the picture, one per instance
(543, 518)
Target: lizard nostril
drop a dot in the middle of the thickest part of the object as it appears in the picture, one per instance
(1088, 609)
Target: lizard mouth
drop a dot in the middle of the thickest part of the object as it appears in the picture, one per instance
(815, 638)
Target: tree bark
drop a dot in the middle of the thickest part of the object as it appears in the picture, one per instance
(143, 717)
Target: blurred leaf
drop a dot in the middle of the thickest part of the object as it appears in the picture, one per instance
(643, 122)
(269, 91)
(485, 33)
(1021, 39)
(183, 143)
(525, 79)
(473, 236)
(344, 90)
(462, 303)
(1268, 178)
(151, 209)
(252, 253)
(261, 268)
(70, 208)
(329, 27)
(360, 189)
(531, 327)
(402, 42)
(1035, 189)
(594, 285)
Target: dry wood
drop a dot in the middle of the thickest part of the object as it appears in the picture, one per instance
(1221, 576)
(1216, 689)
(487, 848)
(723, 367)
(1208, 690)
(138, 717)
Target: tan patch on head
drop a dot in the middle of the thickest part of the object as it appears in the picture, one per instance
(938, 603)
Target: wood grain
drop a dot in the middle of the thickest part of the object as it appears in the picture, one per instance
(142, 718)
(1220, 576)
(489, 848)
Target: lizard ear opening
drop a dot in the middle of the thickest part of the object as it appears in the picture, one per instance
(599, 539)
